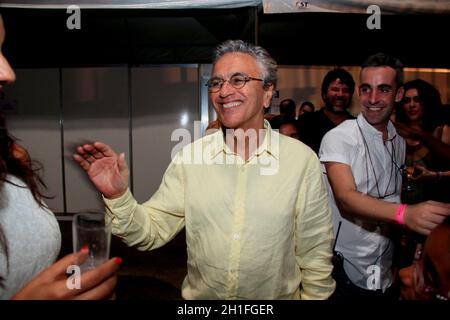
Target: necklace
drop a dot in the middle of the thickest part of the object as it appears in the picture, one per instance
(393, 171)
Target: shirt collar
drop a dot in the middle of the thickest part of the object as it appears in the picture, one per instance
(269, 144)
(369, 129)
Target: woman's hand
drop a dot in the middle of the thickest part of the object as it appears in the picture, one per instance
(54, 283)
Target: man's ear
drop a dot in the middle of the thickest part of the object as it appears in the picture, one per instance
(399, 94)
(268, 95)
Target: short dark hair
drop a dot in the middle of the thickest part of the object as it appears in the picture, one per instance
(287, 106)
(287, 120)
(431, 102)
(307, 103)
(384, 60)
(338, 73)
(280, 120)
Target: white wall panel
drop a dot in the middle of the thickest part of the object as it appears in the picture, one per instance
(35, 121)
(95, 108)
(164, 98)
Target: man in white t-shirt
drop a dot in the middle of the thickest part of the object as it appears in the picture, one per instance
(363, 160)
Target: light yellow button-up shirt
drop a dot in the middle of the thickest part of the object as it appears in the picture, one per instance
(255, 229)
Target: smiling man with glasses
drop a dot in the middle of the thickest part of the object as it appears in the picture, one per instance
(250, 234)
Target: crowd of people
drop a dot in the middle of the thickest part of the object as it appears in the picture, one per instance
(319, 224)
(395, 151)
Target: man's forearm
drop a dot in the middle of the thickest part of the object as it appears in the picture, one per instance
(355, 203)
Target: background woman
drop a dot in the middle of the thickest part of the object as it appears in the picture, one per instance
(420, 110)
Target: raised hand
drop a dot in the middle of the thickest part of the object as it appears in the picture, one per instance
(95, 284)
(425, 216)
(408, 132)
(107, 170)
(425, 174)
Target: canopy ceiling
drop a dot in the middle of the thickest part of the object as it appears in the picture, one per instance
(270, 6)
(124, 4)
(40, 37)
(357, 6)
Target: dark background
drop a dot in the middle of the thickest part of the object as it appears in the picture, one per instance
(40, 38)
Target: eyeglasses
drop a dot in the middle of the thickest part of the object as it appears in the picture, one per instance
(425, 280)
(237, 81)
(416, 99)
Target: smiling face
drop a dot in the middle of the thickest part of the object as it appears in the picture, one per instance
(378, 93)
(413, 106)
(338, 96)
(240, 108)
(6, 73)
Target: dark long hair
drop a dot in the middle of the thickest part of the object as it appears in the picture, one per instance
(22, 168)
(431, 103)
(25, 169)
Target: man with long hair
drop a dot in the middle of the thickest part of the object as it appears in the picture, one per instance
(337, 92)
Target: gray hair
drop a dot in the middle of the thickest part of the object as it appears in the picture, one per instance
(267, 64)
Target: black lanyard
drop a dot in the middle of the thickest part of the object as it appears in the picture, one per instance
(392, 171)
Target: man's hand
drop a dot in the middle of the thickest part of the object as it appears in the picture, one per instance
(107, 170)
(425, 216)
(95, 284)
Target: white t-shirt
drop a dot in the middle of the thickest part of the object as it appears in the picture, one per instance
(32, 237)
(376, 168)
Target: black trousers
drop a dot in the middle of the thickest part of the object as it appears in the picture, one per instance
(347, 291)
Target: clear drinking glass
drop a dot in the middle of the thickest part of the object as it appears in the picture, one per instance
(93, 230)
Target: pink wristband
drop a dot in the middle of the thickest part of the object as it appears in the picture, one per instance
(400, 215)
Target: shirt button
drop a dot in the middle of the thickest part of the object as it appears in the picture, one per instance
(236, 236)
